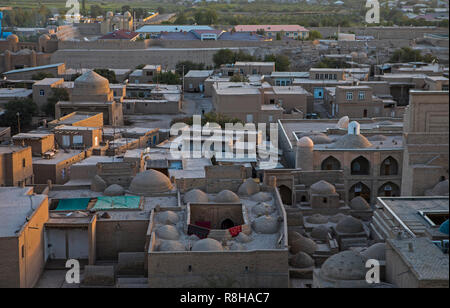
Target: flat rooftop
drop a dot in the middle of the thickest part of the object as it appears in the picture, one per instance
(407, 210)
(199, 73)
(5, 149)
(59, 157)
(16, 207)
(48, 81)
(236, 88)
(426, 261)
(75, 117)
(290, 90)
(15, 92)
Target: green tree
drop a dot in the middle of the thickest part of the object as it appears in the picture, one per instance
(42, 75)
(167, 78)
(96, 10)
(282, 62)
(239, 78)
(59, 94)
(223, 56)
(108, 74)
(188, 66)
(314, 35)
(26, 108)
(406, 54)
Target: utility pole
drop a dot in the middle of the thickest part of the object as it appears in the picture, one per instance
(18, 121)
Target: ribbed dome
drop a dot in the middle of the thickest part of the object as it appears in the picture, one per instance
(346, 265)
(440, 189)
(195, 196)
(262, 197)
(114, 190)
(301, 260)
(343, 122)
(227, 196)
(150, 182)
(168, 232)
(322, 188)
(304, 244)
(359, 204)
(320, 232)
(350, 225)
(351, 142)
(305, 142)
(263, 208)
(266, 224)
(317, 219)
(376, 251)
(91, 83)
(167, 218)
(207, 244)
(248, 188)
(317, 138)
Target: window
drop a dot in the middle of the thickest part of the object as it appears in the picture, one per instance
(23, 251)
(249, 118)
(66, 140)
(41, 92)
(326, 76)
(445, 87)
(335, 77)
(24, 163)
(78, 140)
(270, 118)
(349, 96)
(362, 95)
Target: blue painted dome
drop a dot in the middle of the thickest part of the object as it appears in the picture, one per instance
(444, 227)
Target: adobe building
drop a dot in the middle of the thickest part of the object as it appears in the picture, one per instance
(17, 55)
(40, 143)
(145, 75)
(92, 93)
(259, 103)
(82, 119)
(359, 102)
(43, 89)
(425, 138)
(370, 153)
(10, 94)
(194, 80)
(152, 99)
(117, 22)
(22, 244)
(254, 68)
(16, 167)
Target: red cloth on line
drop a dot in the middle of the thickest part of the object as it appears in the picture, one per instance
(204, 224)
(235, 231)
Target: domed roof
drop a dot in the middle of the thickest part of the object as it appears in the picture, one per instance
(322, 188)
(169, 245)
(262, 196)
(266, 224)
(195, 196)
(376, 251)
(343, 122)
(320, 232)
(346, 265)
(167, 218)
(440, 189)
(114, 190)
(305, 142)
(350, 225)
(337, 218)
(317, 219)
(168, 232)
(207, 244)
(263, 208)
(150, 182)
(109, 14)
(227, 196)
(127, 14)
(303, 244)
(91, 83)
(13, 38)
(98, 184)
(359, 204)
(292, 237)
(350, 141)
(317, 138)
(44, 37)
(301, 260)
(248, 188)
(377, 138)
(243, 238)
